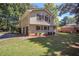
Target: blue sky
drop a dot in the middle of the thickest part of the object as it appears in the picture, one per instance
(41, 5)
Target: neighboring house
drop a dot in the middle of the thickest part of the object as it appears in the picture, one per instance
(70, 28)
(36, 21)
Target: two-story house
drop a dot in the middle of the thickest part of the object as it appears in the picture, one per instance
(36, 21)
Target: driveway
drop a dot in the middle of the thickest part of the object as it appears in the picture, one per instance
(6, 35)
(16, 36)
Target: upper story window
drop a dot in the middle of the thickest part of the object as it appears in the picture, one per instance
(40, 16)
(46, 18)
(43, 17)
(49, 19)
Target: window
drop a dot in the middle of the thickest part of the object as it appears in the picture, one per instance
(48, 27)
(42, 16)
(41, 27)
(45, 27)
(39, 17)
(46, 18)
(23, 30)
(49, 18)
(37, 27)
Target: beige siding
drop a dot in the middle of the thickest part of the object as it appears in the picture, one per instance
(32, 29)
(51, 28)
(25, 21)
(33, 19)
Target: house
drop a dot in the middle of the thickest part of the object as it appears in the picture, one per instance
(35, 21)
(70, 28)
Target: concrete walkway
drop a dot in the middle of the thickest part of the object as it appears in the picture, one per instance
(29, 37)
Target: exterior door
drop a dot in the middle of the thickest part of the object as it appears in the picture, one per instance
(26, 31)
(19, 30)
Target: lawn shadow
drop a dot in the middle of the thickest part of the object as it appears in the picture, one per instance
(10, 35)
(70, 51)
(59, 44)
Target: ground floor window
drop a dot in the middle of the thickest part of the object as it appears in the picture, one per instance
(45, 27)
(42, 27)
(37, 27)
(48, 27)
(23, 30)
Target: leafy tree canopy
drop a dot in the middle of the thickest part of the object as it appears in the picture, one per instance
(52, 8)
(10, 13)
(73, 8)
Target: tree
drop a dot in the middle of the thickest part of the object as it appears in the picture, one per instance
(11, 13)
(53, 9)
(70, 20)
(64, 21)
(73, 8)
(67, 20)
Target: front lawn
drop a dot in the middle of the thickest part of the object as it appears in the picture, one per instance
(3, 32)
(55, 45)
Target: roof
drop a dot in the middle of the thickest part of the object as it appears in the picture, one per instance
(28, 12)
(46, 10)
(32, 10)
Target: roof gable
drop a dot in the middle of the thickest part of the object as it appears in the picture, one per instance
(48, 12)
(28, 12)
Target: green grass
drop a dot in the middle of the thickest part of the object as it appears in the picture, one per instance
(55, 45)
(3, 32)
(20, 47)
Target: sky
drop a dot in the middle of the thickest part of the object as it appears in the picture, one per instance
(41, 5)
